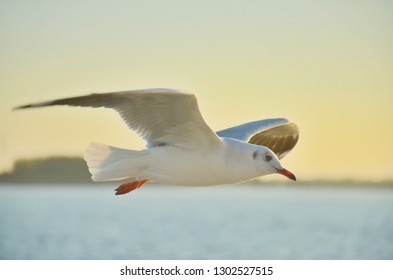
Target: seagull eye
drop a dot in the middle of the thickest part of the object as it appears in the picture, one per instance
(267, 157)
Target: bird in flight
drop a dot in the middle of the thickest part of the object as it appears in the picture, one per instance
(181, 148)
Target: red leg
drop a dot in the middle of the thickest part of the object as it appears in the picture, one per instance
(128, 187)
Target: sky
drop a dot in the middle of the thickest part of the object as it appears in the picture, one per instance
(326, 65)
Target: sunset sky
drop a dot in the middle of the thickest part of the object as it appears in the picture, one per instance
(326, 65)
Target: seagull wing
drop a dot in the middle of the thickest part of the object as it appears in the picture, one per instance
(160, 116)
(279, 135)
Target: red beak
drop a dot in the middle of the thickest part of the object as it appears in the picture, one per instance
(286, 173)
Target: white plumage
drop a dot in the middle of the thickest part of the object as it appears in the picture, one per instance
(181, 148)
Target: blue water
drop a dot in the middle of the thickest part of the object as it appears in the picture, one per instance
(226, 222)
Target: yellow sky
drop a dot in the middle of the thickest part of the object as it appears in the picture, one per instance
(327, 65)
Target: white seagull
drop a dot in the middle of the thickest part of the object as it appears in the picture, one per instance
(181, 148)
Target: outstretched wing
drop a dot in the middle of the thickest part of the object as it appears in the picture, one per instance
(160, 116)
(279, 135)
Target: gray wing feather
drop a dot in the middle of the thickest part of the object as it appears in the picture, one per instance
(160, 116)
(279, 135)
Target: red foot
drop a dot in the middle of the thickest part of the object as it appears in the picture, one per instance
(128, 187)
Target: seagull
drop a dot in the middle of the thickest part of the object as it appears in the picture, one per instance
(181, 148)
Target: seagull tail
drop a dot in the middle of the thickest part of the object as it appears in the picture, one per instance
(108, 163)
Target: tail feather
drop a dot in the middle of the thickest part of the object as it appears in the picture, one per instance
(108, 163)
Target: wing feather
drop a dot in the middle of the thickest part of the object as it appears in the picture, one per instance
(279, 135)
(160, 116)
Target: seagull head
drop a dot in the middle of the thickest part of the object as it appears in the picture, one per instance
(268, 162)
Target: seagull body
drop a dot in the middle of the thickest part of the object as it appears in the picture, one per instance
(181, 148)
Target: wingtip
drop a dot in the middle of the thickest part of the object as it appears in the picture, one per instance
(33, 105)
(22, 107)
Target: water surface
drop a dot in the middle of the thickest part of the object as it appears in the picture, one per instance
(226, 222)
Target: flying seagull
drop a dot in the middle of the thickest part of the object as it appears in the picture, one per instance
(181, 148)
